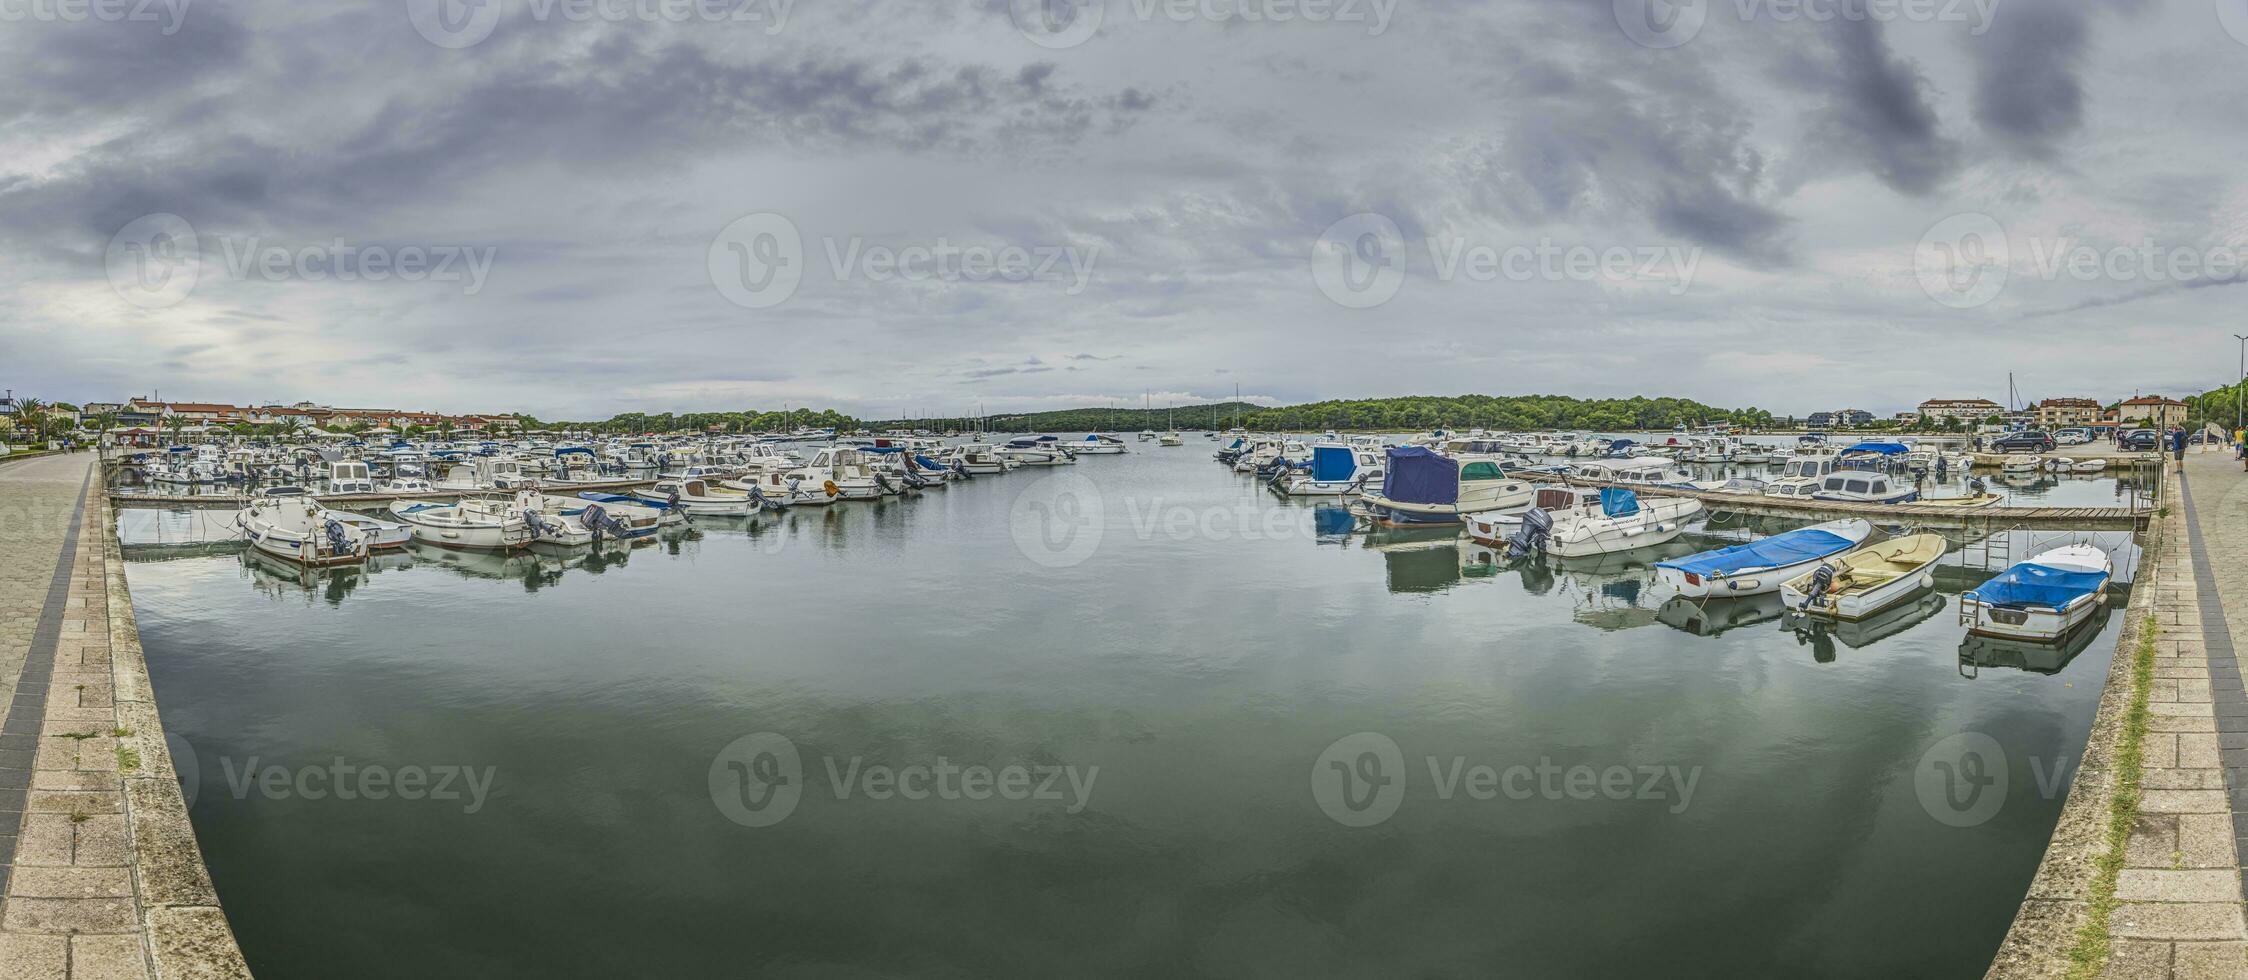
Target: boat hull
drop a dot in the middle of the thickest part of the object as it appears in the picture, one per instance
(2038, 624)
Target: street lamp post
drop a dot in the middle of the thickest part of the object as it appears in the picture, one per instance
(2243, 389)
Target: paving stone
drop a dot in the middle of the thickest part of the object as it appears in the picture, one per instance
(2197, 750)
(2157, 885)
(108, 958)
(2183, 801)
(75, 915)
(2138, 959)
(2210, 961)
(25, 956)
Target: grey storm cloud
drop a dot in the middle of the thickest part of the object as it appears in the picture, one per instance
(1182, 171)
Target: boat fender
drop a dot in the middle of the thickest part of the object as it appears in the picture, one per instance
(1927, 580)
(831, 488)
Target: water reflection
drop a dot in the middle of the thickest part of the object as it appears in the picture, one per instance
(1821, 634)
(1977, 652)
(1710, 617)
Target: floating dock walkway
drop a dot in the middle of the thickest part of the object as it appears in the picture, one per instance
(1975, 519)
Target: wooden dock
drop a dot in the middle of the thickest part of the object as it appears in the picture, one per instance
(1981, 520)
(348, 501)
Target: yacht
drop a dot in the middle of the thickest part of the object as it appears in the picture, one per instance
(1594, 522)
(1864, 487)
(349, 476)
(1096, 444)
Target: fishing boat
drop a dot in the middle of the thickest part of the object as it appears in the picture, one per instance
(848, 469)
(2039, 599)
(1868, 580)
(382, 535)
(1423, 486)
(447, 525)
(622, 516)
(287, 523)
(1760, 566)
(979, 459)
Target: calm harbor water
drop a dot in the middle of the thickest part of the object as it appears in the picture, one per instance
(698, 751)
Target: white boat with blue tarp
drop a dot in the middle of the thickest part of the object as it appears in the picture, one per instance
(2042, 598)
(1625, 521)
(1336, 469)
(1757, 567)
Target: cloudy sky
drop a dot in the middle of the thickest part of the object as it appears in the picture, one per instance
(913, 208)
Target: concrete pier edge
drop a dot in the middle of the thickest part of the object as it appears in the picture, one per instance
(187, 931)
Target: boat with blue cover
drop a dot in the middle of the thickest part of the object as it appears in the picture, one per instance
(1624, 522)
(1423, 486)
(2042, 598)
(1760, 566)
(1336, 469)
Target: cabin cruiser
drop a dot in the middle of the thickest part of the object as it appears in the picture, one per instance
(783, 488)
(450, 526)
(1864, 487)
(979, 459)
(349, 476)
(2042, 598)
(1422, 486)
(1171, 438)
(1096, 444)
(1758, 567)
(1028, 451)
(1643, 470)
(847, 469)
(412, 485)
(287, 523)
(1801, 476)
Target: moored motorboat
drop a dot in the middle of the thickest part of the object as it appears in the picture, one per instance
(2039, 599)
(448, 525)
(1760, 566)
(287, 523)
(1423, 486)
(699, 497)
(382, 535)
(1866, 581)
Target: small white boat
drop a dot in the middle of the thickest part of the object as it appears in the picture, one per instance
(1171, 439)
(2088, 466)
(616, 515)
(1096, 444)
(699, 497)
(1624, 521)
(1422, 486)
(2042, 598)
(287, 523)
(1336, 469)
(2021, 463)
(979, 459)
(1868, 580)
(448, 526)
(1759, 566)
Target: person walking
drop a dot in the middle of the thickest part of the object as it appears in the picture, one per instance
(2178, 443)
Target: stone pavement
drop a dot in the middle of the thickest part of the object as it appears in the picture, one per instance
(102, 877)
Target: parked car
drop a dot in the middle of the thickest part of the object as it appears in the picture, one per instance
(2145, 440)
(2027, 440)
(2072, 437)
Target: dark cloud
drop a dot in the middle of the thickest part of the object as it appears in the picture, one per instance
(1876, 110)
(2026, 88)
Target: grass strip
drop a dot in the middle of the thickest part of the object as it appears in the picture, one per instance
(2090, 954)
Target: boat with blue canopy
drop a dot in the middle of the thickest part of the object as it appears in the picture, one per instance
(1336, 469)
(1758, 567)
(1423, 486)
(2042, 598)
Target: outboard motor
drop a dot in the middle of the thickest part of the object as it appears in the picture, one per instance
(757, 494)
(1537, 526)
(1822, 579)
(531, 520)
(338, 542)
(599, 522)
